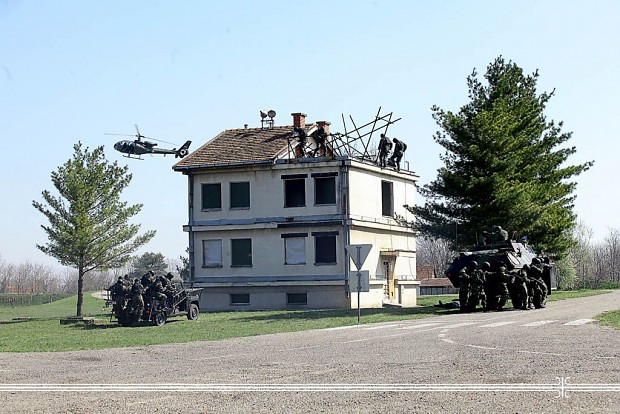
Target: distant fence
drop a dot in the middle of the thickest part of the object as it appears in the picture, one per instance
(12, 300)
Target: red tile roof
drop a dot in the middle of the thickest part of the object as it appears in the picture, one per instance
(240, 146)
(436, 281)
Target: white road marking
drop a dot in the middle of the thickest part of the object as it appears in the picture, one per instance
(339, 328)
(537, 353)
(538, 323)
(450, 341)
(422, 325)
(373, 328)
(482, 347)
(496, 324)
(458, 325)
(579, 322)
(357, 340)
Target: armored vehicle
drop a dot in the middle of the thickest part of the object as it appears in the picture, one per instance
(184, 302)
(512, 256)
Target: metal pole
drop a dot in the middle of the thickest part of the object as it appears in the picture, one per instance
(359, 284)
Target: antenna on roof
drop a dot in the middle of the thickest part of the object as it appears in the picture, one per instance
(264, 121)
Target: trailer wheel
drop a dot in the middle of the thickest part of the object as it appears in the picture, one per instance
(160, 319)
(192, 312)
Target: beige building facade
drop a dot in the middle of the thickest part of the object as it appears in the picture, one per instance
(267, 228)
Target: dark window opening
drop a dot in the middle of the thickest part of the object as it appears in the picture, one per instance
(241, 252)
(325, 249)
(239, 298)
(325, 190)
(240, 195)
(296, 298)
(387, 199)
(211, 196)
(295, 193)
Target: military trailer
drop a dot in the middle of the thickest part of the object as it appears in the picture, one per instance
(184, 302)
(513, 256)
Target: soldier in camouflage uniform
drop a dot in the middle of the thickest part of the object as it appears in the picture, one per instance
(539, 288)
(477, 293)
(118, 295)
(529, 283)
(137, 301)
(502, 279)
(464, 280)
(490, 290)
(156, 292)
(519, 290)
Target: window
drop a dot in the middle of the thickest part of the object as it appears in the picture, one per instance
(325, 248)
(296, 298)
(212, 253)
(212, 196)
(325, 190)
(240, 195)
(239, 298)
(387, 199)
(295, 250)
(295, 190)
(241, 252)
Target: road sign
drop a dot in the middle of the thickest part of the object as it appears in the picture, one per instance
(362, 276)
(358, 253)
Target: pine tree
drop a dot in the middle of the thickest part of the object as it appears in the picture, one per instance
(148, 261)
(504, 165)
(88, 223)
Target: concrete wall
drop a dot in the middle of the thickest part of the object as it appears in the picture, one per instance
(274, 297)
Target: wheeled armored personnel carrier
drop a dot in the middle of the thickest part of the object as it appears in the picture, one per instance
(185, 302)
(509, 254)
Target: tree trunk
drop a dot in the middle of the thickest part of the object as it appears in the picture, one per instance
(80, 292)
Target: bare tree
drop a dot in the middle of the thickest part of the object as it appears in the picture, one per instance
(434, 252)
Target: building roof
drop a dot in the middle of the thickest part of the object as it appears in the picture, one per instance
(234, 146)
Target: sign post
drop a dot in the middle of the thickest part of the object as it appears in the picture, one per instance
(358, 253)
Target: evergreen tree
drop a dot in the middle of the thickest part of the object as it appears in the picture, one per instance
(504, 165)
(148, 261)
(88, 223)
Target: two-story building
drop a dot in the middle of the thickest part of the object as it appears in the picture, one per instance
(268, 223)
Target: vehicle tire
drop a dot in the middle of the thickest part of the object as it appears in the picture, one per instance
(160, 319)
(192, 312)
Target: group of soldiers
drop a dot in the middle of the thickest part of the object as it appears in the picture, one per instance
(129, 295)
(385, 146)
(491, 288)
(319, 136)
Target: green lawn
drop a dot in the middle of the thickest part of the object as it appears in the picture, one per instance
(611, 318)
(43, 332)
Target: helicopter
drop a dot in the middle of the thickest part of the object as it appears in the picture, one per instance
(140, 147)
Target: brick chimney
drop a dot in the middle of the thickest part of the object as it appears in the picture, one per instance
(299, 120)
(324, 124)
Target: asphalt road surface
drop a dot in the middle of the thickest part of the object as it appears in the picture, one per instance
(553, 360)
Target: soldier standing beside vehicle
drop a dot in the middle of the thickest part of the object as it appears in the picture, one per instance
(137, 301)
(519, 288)
(489, 286)
(118, 295)
(502, 278)
(464, 280)
(539, 288)
(477, 293)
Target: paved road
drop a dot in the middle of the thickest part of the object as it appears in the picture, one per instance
(545, 361)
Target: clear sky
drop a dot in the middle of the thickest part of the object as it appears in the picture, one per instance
(73, 70)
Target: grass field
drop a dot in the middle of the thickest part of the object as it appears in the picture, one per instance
(611, 318)
(37, 328)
